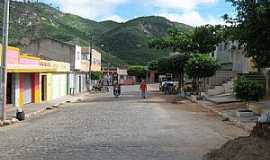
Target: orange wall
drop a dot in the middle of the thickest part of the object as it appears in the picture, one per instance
(35, 87)
(21, 85)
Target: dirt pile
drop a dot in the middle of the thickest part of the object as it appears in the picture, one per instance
(254, 147)
(261, 130)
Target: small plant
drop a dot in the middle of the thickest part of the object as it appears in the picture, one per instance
(248, 90)
(96, 75)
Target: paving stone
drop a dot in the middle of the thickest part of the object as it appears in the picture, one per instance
(106, 128)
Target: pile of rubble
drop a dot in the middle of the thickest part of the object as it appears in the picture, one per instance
(8, 122)
(254, 147)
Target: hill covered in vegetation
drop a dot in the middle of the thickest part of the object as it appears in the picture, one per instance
(122, 42)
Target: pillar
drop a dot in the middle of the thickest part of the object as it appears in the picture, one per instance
(35, 87)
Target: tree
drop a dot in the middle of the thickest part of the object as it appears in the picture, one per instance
(251, 27)
(174, 64)
(202, 40)
(153, 66)
(176, 41)
(138, 71)
(164, 65)
(178, 62)
(205, 38)
(201, 66)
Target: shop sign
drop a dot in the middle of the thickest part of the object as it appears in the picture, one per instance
(59, 66)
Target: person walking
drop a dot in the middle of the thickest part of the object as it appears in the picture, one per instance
(143, 88)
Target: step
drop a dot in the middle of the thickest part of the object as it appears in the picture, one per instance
(217, 90)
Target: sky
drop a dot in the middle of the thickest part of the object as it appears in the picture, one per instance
(191, 12)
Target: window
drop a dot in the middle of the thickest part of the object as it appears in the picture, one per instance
(84, 56)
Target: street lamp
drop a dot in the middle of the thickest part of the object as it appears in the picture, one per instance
(3, 60)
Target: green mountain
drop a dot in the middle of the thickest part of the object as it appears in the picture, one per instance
(122, 42)
(129, 41)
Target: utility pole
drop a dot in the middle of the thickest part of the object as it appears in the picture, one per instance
(108, 69)
(3, 60)
(90, 61)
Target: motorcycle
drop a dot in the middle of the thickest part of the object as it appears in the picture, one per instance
(116, 91)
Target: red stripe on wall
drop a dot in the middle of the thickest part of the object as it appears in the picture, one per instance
(33, 86)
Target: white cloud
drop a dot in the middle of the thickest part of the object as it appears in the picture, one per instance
(115, 18)
(192, 18)
(179, 4)
(92, 9)
(184, 11)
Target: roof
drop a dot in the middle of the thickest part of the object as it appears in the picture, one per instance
(55, 40)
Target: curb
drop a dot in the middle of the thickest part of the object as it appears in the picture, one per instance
(36, 113)
(227, 117)
(223, 115)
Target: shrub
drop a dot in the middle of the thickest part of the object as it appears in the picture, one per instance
(248, 90)
(96, 75)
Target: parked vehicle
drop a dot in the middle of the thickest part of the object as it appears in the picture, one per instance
(169, 88)
(163, 84)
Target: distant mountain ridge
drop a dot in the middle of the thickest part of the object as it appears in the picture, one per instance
(123, 42)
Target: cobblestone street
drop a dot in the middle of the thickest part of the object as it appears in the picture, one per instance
(127, 128)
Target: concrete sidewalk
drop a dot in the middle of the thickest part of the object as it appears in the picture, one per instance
(33, 109)
(260, 107)
(228, 113)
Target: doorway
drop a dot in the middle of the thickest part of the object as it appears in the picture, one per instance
(9, 88)
(43, 87)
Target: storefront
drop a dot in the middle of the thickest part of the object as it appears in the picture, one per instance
(77, 83)
(59, 85)
(32, 80)
(55, 84)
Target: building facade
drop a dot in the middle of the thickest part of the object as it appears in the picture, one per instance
(51, 49)
(33, 80)
(232, 57)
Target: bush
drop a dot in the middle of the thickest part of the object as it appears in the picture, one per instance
(248, 90)
(96, 75)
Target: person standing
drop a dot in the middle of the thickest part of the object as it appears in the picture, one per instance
(143, 88)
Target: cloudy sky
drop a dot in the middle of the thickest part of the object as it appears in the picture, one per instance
(192, 12)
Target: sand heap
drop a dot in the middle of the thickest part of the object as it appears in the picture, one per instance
(254, 147)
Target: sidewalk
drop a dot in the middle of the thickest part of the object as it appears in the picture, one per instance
(228, 112)
(33, 109)
(260, 107)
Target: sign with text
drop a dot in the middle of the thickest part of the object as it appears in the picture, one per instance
(78, 57)
(59, 66)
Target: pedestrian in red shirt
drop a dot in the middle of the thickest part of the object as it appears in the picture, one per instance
(143, 88)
